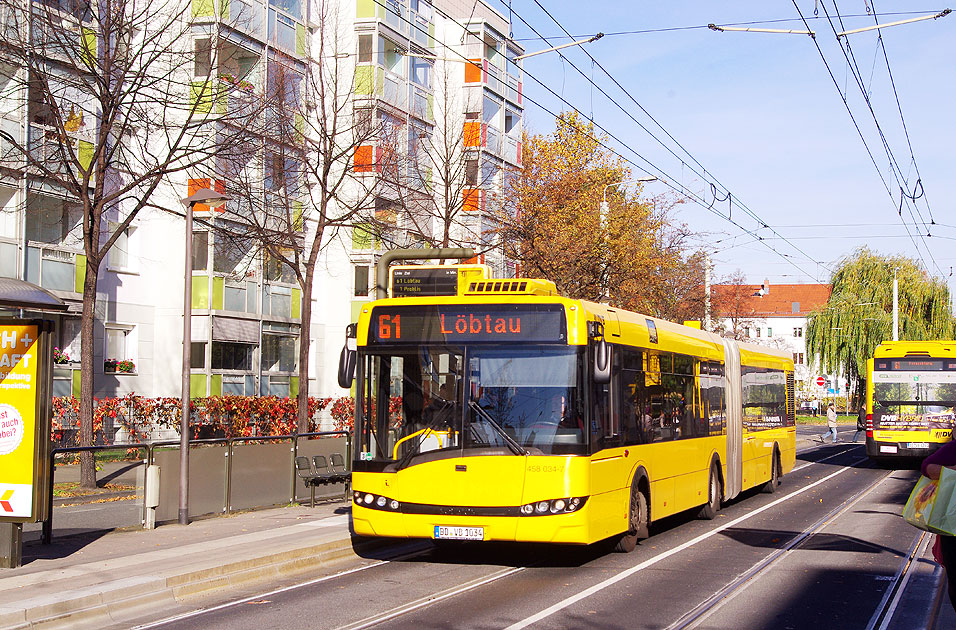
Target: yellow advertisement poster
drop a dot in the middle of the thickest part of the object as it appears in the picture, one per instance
(18, 398)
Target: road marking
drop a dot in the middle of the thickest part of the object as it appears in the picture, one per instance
(431, 599)
(252, 598)
(569, 601)
(731, 590)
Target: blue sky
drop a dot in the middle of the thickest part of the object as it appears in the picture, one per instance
(760, 112)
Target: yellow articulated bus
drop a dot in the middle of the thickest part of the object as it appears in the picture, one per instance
(910, 399)
(503, 411)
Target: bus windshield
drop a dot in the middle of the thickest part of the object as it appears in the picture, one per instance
(438, 401)
(913, 405)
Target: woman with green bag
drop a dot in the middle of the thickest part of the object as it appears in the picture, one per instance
(945, 548)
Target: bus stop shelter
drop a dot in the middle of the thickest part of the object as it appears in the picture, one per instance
(24, 307)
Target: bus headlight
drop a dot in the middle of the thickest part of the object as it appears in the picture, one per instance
(554, 506)
(376, 501)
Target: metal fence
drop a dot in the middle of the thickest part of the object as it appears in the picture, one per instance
(225, 475)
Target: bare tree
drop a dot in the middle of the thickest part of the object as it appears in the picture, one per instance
(319, 171)
(437, 183)
(729, 302)
(114, 108)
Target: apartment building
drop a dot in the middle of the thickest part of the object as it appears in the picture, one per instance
(423, 73)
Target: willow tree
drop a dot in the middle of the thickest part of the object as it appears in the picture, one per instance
(858, 316)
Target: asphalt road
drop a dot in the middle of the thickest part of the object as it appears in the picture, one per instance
(827, 550)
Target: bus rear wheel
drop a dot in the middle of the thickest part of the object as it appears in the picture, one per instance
(637, 523)
(709, 510)
(771, 486)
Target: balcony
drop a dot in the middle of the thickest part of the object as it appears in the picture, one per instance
(396, 16)
(493, 139)
(245, 16)
(509, 150)
(394, 91)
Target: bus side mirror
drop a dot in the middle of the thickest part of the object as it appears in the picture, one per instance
(601, 369)
(347, 358)
(602, 362)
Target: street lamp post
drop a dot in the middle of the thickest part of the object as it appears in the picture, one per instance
(203, 195)
(604, 206)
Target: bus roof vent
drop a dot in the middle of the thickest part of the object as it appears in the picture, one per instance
(920, 353)
(512, 287)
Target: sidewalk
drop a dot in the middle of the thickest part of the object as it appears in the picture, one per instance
(111, 577)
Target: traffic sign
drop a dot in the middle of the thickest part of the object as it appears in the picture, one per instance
(821, 381)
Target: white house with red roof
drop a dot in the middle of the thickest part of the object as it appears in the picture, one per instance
(774, 316)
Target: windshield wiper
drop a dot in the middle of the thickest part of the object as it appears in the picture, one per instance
(510, 441)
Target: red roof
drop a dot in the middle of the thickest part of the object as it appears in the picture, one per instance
(781, 300)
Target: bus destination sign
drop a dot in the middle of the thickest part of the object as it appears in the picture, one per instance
(424, 281)
(477, 323)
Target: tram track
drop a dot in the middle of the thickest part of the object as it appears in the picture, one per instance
(712, 604)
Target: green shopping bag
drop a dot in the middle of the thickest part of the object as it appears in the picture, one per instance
(932, 506)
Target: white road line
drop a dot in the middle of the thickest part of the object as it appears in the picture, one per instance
(203, 611)
(843, 452)
(431, 599)
(569, 601)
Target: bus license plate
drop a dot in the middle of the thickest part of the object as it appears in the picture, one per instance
(918, 445)
(445, 532)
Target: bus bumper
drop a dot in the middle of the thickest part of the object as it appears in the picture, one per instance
(570, 528)
(877, 449)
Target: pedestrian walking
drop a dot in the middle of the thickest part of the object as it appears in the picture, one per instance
(944, 550)
(860, 422)
(831, 425)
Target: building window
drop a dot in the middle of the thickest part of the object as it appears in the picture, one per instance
(758, 332)
(202, 58)
(120, 252)
(227, 355)
(53, 221)
(471, 173)
(69, 333)
(769, 332)
(391, 56)
(120, 347)
(798, 358)
(798, 332)
(361, 280)
(197, 355)
(278, 353)
(421, 72)
(365, 49)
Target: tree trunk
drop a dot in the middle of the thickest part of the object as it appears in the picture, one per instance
(305, 332)
(87, 460)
